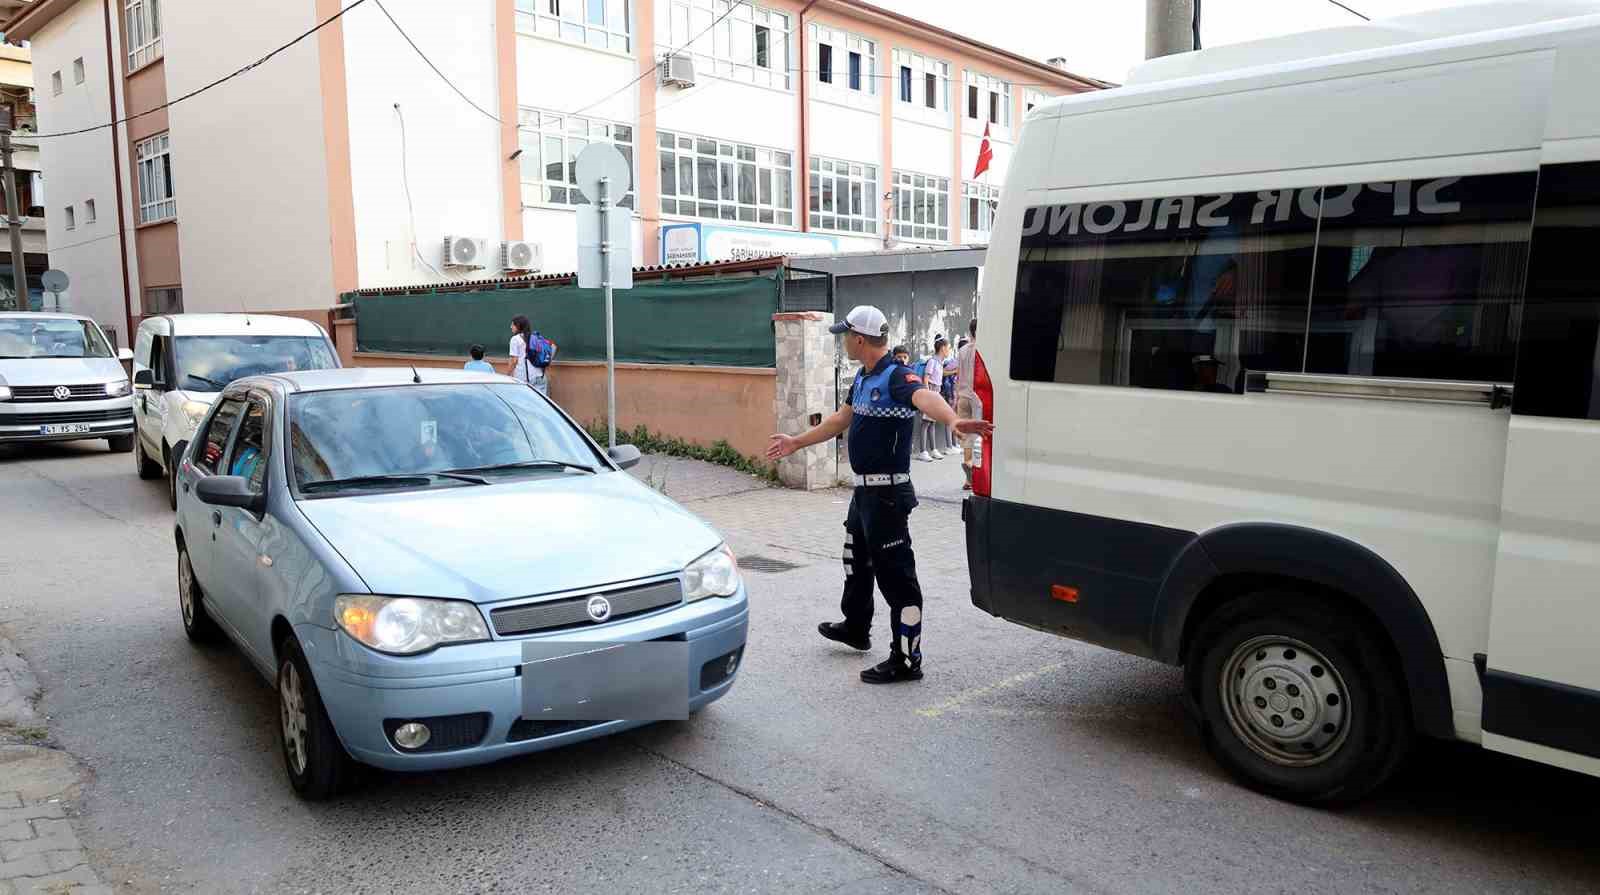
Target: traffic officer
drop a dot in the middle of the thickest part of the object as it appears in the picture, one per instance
(883, 406)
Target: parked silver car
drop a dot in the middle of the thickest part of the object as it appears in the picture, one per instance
(60, 381)
(439, 568)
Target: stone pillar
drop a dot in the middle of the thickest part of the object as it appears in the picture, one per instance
(805, 394)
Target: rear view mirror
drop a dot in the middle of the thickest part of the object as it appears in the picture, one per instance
(124, 354)
(143, 378)
(229, 491)
(625, 456)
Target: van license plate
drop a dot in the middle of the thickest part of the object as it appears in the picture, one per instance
(64, 429)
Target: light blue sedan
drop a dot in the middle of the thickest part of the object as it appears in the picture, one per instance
(439, 568)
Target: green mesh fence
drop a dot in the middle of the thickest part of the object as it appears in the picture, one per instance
(722, 322)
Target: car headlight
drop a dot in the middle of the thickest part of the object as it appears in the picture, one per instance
(116, 388)
(5, 392)
(405, 625)
(714, 575)
(196, 412)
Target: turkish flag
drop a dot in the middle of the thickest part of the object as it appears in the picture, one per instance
(985, 154)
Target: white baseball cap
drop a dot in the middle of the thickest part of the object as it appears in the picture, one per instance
(863, 319)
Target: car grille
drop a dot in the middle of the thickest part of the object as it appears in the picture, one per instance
(523, 729)
(94, 391)
(74, 416)
(573, 612)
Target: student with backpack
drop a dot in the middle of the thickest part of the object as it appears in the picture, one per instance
(531, 355)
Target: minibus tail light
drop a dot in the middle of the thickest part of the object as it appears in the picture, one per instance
(983, 461)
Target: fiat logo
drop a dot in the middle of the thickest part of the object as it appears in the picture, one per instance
(62, 393)
(599, 608)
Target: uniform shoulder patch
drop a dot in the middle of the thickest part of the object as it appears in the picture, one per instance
(912, 377)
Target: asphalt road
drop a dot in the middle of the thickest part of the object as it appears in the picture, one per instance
(1023, 763)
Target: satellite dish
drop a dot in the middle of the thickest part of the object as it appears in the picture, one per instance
(55, 280)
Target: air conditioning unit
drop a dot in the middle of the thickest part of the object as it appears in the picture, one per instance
(677, 70)
(465, 251)
(521, 255)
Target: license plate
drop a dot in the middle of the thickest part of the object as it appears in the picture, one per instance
(64, 429)
(603, 681)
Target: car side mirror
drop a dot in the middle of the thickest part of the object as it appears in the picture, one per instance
(144, 379)
(625, 455)
(124, 354)
(229, 491)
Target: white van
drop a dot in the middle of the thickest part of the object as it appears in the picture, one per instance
(181, 362)
(1293, 352)
(60, 380)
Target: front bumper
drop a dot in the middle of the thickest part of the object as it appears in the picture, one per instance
(363, 689)
(21, 421)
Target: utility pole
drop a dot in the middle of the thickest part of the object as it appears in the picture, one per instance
(1169, 27)
(19, 261)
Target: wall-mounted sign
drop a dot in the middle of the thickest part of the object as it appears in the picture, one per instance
(695, 243)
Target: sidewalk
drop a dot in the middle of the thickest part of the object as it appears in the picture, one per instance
(39, 852)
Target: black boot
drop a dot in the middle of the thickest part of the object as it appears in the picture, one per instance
(838, 633)
(893, 670)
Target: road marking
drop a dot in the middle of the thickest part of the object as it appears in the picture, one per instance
(966, 696)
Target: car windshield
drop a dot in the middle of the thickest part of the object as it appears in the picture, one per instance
(405, 436)
(51, 337)
(209, 363)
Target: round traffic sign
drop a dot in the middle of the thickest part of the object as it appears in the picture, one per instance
(599, 160)
(54, 280)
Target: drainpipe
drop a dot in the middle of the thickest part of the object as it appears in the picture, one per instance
(112, 71)
(804, 161)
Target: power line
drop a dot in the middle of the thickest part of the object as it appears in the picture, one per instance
(196, 92)
(405, 180)
(442, 77)
(1349, 10)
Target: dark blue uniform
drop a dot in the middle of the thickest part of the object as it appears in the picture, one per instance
(877, 542)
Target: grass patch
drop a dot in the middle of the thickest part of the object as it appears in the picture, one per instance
(720, 452)
(27, 734)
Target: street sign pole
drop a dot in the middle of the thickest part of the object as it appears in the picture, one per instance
(611, 337)
(605, 248)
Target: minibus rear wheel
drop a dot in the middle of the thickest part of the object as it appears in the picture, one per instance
(1299, 699)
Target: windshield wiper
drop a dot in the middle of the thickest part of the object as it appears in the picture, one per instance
(527, 464)
(401, 479)
(207, 380)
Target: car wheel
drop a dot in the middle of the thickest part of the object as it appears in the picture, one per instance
(1298, 700)
(197, 621)
(120, 444)
(317, 764)
(147, 468)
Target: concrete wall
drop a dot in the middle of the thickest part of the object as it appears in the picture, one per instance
(247, 160)
(701, 405)
(80, 167)
(451, 155)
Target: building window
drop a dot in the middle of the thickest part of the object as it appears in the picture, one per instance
(603, 24)
(995, 102)
(77, 70)
(706, 178)
(981, 201)
(550, 144)
(844, 196)
(144, 32)
(165, 300)
(88, 211)
(33, 195)
(71, 218)
(923, 81)
(861, 58)
(921, 207)
(154, 160)
(1032, 98)
(55, 83)
(751, 44)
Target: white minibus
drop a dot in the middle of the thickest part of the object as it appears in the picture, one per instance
(1293, 354)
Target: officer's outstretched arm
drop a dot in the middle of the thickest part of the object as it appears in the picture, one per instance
(830, 428)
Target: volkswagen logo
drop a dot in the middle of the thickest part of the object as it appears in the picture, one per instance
(599, 608)
(62, 393)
